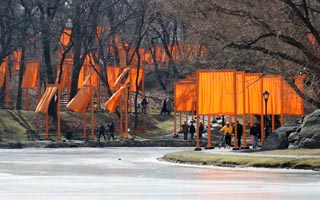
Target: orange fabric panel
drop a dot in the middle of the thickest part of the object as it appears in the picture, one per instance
(95, 78)
(196, 50)
(121, 77)
(159, 53)
(148, 58)
(65, 37)
(185, 96)
(272, 84)
(80, 102)
(112, 103)
(180, 52)
(113, 73)
(89, 60)
(44, 102)
(117, 38)
(3, 70)
(132, 56)
(16, 59)
(292, 103)
(122, 55)
(216, 91)
(66, 75)
(240, 92)
(83, 73)
(141, 53)
(30, 76)
(203, 52)
(132, 78)
(312, 39)
(253, 88)
(100, 30)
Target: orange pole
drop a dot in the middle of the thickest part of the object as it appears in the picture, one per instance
(58, 113)
(39, 85)
(47, 126)
(262, 114)
(174, 122)
(120, 110)
(251, 124)
(180, 118)
(282, 101)
(209, 145)
(186, 113)
(92, 113)
(27, 99)
(7, 83)
(131, 86)
(98, 99)
(126, 111)
(198, 148)
(84, 126)
(244, 118)
(235, 143)
(273, 125)
(142, 84)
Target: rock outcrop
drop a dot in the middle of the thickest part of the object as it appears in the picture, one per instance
(303, 133)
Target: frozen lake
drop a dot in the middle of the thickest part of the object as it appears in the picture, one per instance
(135, 173)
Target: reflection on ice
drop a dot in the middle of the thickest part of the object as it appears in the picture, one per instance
(135, 173)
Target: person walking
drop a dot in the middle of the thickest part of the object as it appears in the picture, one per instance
(192, 130)
(185, 129)
(227, 130)
(239, 133)
(255, 132)
(201, 129)
(102, 129)
(164, 108)
(144, 104)
(111, 131)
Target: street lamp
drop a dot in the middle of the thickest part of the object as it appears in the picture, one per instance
(265, 97)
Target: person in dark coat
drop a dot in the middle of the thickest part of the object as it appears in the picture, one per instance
(111, 131)
(192, 130)
(239, 133)
(164, 107)
(201, 129)
(144, 104)
(255, 132)
(185, 129)
(102, 129)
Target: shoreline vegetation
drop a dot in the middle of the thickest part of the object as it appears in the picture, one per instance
(304, 159)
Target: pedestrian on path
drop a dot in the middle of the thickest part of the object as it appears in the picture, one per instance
(111, 131)
(185, 130)
(227, 130)
(192, 130)
(102, 129)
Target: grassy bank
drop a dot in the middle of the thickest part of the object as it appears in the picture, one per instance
(199, 158)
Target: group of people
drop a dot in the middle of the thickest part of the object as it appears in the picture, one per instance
(167, 106)
(185, 129)
(228, 131)
(102, 130)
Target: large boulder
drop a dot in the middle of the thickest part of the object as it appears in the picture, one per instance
(308, 134)
(279, 139)
(304, 133)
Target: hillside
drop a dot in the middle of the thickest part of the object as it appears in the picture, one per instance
(15, 123)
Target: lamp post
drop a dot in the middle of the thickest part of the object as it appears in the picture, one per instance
(265, 97)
